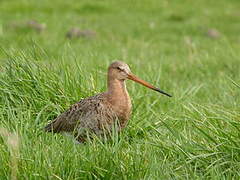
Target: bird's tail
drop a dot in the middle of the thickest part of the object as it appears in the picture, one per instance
(50, 128)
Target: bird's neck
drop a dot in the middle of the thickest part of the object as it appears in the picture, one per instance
(117, 93)
(119, 99)
(117, 88)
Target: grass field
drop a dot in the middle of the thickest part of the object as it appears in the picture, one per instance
(194, 135)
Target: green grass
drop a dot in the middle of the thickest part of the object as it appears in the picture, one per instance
(194, 135)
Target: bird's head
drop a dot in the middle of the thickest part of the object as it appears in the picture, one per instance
(121, 71)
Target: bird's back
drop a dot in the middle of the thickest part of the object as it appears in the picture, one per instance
(90, 115)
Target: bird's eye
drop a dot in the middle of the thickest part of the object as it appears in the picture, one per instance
(119, 68)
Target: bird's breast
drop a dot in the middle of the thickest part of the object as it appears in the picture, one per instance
(122, 106)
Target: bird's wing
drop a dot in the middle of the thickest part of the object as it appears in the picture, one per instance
(89, 113)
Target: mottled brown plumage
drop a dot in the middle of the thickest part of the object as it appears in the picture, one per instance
(98, 114)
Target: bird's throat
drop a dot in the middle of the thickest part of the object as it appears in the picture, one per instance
(119, 99)
(117, 88)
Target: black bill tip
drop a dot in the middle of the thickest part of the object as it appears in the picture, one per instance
(159, 90)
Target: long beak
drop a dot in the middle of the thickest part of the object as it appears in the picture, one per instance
(140, 81)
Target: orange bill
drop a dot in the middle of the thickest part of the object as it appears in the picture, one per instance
(140, 81)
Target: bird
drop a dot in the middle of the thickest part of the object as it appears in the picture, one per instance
(97, 115)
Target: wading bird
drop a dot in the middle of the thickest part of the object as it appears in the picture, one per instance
(96, 115)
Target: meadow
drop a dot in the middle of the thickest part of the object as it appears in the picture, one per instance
(189, 49)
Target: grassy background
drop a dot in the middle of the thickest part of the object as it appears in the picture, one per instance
(194, 135)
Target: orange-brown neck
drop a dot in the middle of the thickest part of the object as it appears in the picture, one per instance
(116, 87)
(119, 98)
(117, 91)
